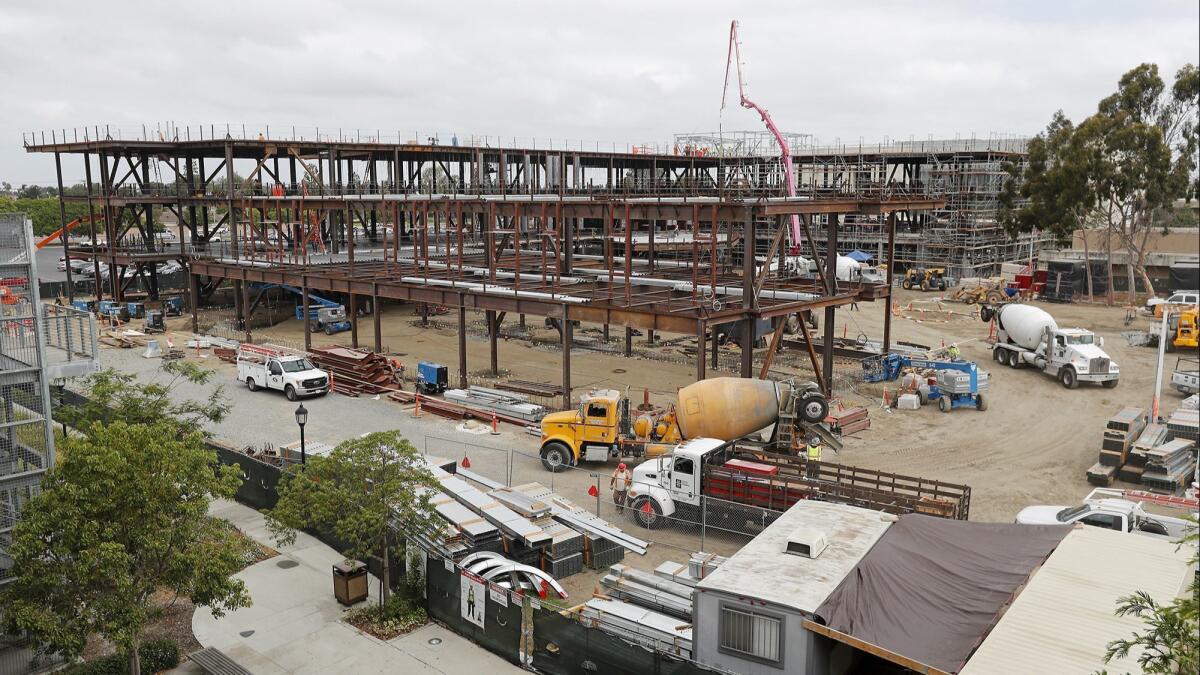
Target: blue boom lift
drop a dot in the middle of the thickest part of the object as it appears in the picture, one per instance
(328, 315)
(949, 389)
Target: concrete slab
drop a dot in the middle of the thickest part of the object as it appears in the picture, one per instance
(295, 624)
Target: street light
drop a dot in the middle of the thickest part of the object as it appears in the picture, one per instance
(301, 420)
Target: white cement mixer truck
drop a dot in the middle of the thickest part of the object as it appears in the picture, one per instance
(1028, 336)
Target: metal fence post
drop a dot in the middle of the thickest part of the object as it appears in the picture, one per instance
(508, 481)
(703, 519)
(596, 477)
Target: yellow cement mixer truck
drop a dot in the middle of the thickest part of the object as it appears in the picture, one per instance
(723, 408)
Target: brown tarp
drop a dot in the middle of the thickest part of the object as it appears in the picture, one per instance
(931, 588)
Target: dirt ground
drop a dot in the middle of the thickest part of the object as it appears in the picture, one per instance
(1032, 446)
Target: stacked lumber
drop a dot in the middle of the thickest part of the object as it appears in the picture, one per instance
(849, 421)
(356, 371)
(1169, 466)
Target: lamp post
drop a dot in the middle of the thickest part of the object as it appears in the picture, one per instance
(301, 420)
(60, 385)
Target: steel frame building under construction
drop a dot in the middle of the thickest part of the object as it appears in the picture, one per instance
(964, 235)
(658, 242)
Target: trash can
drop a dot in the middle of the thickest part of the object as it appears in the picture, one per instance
(350, 582)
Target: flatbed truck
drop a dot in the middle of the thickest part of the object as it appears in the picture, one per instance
(743, 487)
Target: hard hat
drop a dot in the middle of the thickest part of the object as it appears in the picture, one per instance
(814, 441)
(621, 466)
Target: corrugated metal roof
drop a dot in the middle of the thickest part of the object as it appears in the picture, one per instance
(762, 570)
(1064, 618)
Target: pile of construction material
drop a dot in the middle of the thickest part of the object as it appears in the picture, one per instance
(849, 421)
(1161, 456)
(698, 566)
(647, 590)
(356, 371)
(638, 625)
(528, 523)
(1122, 430)
(1169, 467)
(1184, 424)
(503, 403)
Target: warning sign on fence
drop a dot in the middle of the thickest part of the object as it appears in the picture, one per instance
(472, 596)
(499, 594)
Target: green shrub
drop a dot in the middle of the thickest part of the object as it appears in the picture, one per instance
(398, 615)
(157, 655)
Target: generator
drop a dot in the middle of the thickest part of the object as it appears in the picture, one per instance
(137, 310)
(432, 378)
(154, 322)
(173, 306)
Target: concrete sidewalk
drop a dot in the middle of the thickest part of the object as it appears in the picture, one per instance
(295, 624)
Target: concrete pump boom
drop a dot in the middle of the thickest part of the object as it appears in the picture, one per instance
(785, 154)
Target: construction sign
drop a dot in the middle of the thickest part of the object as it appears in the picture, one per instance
(472, 595)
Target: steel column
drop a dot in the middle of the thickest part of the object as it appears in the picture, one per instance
(887, 306)
(831, 311)
(567, 335)
(462, 342)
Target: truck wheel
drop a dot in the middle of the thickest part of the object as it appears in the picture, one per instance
(924, 285)
(329, 329)
(1068, 378)
(980, 402)
(250, 384)
(556, 457)
(941, 284)
(906, 285)
(1110, 384)
(922, 396)
(986, 313)
(998, 355)
(814, 408)
(290, 392)
(649, 518)
(944, 403)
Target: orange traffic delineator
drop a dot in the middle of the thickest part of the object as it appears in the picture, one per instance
(495, 425)
(592, 491)
(417, 409)
(466, 463)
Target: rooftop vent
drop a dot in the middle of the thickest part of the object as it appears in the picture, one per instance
(806, 542)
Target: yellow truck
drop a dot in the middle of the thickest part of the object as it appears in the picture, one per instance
(724, 408)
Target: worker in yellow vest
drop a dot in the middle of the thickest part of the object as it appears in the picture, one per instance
(954, 352)
(813, 453)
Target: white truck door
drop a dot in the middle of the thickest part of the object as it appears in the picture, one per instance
(274, 375)
(683, 479)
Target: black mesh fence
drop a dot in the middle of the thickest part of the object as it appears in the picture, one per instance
(554, 640)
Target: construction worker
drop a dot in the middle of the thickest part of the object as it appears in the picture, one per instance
(813, 454)
(953, 351)
(619, 484)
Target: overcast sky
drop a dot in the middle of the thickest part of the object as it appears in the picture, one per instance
(600, 71)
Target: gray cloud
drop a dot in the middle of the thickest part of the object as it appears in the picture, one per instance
(606, 72)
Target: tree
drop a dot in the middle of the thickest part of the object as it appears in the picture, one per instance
(1123, 167)
(113, 396)
(121, 516)
(356, 493)
(1171, 643)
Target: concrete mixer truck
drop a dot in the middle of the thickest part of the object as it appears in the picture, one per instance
(722, 408)
(1029, 336)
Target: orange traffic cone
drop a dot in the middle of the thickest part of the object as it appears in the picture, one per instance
(417, 409)
(495, 430)
(466, 463)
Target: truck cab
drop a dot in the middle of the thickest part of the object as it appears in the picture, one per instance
(603, 427)
(1079, 351)
(588, 433)
(666, 483)
(1112, 514)
(293, 374)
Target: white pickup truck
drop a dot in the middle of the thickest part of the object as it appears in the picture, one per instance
(1118, 510)
(293, 374)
